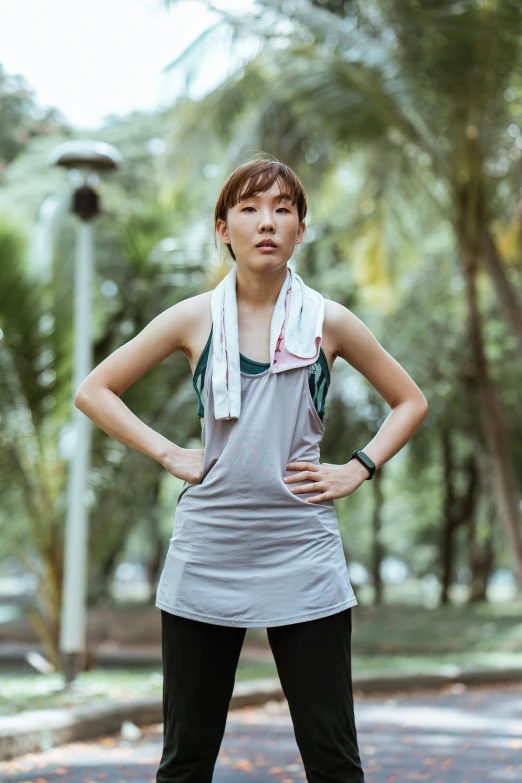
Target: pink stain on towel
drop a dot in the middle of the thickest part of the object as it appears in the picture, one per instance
(283, 358)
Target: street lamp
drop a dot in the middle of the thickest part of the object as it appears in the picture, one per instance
(85, 160)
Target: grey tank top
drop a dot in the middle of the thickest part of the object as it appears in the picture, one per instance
(245, 550)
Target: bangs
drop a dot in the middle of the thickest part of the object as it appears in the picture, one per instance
(264, 181)
(255, 177)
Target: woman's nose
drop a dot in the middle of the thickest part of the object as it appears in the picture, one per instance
(266, 221)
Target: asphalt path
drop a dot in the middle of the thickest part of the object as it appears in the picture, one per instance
(459, 735)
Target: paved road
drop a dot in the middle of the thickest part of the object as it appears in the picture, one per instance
(457, 736)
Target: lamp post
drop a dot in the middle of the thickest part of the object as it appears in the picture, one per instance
(85, 160)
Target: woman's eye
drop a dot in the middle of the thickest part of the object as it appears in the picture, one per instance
(285, 209)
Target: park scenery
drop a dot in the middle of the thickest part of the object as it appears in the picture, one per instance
(403, 121)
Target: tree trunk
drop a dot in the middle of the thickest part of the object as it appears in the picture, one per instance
(482, 564)
(155, 561)
(100, 591)
(481, 560)
(504, 487)
(459, 508)
(448, 520)
(377, 547)
(505, 291)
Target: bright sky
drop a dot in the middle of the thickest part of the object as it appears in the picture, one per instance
(105, 56)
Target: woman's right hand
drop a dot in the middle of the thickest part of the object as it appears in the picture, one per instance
(186, 464)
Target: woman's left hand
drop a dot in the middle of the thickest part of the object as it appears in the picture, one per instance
(334, 481)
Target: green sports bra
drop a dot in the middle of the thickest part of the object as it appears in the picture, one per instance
(318, 377)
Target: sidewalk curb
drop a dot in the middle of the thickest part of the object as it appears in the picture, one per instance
(37, 730)
(443, 676)
(32, 732)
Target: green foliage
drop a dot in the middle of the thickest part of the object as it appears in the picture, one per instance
(401, 120)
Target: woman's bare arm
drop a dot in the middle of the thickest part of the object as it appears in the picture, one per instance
(98, 396)
(355, 343)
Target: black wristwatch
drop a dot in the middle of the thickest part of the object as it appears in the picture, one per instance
(366, 461)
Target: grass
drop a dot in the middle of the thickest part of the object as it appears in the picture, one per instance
(403, 629)
(394, 638)
(43, 691)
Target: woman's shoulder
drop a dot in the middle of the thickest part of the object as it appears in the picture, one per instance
(329, 343)
(198, 323)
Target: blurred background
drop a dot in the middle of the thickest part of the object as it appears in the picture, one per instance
(403, 120)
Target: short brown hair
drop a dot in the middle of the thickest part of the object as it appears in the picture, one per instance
(259, 174)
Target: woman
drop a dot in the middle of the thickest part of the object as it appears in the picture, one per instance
(256, 541)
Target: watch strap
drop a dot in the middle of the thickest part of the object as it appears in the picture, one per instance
(365, 460)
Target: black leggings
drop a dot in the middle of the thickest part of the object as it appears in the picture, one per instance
(313, 660)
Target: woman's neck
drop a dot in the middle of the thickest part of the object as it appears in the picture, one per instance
(257, 292)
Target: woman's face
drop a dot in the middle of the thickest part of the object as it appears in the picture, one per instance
(264, 216)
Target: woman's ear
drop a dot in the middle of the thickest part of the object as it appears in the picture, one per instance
(222, 230)
(300, 233)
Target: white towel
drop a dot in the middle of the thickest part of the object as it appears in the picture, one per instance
(296, 332)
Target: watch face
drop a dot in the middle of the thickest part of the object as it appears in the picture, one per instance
(370, 464)
(367, 461)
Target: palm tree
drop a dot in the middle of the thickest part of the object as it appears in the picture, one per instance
(431, 88)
